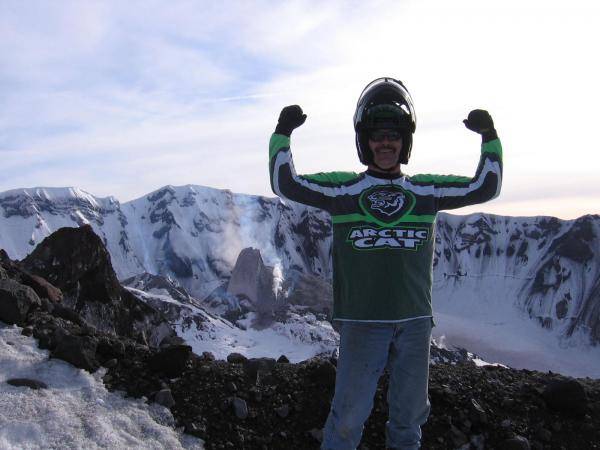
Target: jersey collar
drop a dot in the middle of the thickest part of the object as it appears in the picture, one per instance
(384, 176)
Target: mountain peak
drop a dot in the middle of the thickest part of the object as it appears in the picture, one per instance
(54, 194)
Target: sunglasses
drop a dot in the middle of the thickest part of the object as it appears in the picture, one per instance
(381, 135)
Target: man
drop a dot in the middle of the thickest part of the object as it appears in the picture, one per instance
(383, 243)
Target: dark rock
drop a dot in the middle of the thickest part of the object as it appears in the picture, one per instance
(76, 261)
(477, 413)
(77, 350)
(33, 384)
(251, 279)
(3, 274)
(236, 358)
(207, 356)
(256, 368)
(196, 429)
(508, 402)
(172, 340)
(283, 360)
(543, 434)
(27, 331)
(110, 348)
(111, 363)
(458, 437)
(566, 396)
(257, 396)
(225, 404)
(47, 305)
(68, 314)
(516, 443)
(240, 408)
(321, 371)
(16, 300)
(172, 360)
(42, 287)
(75, 258)
(283, 411)
(46, 338)
(4, 256)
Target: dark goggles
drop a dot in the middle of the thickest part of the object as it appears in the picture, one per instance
(381, 135)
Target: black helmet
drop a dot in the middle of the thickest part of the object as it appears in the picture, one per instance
(384, 103)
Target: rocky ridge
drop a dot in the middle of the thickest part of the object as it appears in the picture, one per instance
(265, 403)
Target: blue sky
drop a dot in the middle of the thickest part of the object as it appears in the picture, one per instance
(122, 98)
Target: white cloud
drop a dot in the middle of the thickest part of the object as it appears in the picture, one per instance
(121, 98)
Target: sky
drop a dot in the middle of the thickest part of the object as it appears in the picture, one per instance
(122, 98)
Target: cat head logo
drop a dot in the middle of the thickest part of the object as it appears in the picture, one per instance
(387, 202)
(386, 205)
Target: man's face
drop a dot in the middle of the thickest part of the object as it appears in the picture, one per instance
(386, 146)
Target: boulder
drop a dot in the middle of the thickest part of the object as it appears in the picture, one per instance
(253, 280)
(566, 396)
(77, 350)
(16, 300)
(257, 368)
(240, 408)
(172, 360)
(110, 348)
(320, 371)
(236, 358)
(75, 261)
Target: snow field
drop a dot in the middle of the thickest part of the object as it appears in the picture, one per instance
(76, 411)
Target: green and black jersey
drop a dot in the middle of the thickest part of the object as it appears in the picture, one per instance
(383, 228)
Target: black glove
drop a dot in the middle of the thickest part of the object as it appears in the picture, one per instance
(481, 122)
(291, 117)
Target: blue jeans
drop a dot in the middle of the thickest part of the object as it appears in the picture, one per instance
(365, 351)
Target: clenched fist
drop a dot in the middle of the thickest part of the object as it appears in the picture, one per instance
(481, 122)
(290, 118)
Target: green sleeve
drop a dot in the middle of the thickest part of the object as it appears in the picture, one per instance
(317, 190)
(454, 191)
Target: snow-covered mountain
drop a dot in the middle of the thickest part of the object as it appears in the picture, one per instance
(191, 233)
(495, 278)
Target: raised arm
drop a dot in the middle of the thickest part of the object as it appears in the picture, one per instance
(452, 191)
(313, 190)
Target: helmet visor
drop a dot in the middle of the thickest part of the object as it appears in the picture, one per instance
(385, 91)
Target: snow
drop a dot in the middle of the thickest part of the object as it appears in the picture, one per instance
(76, 411)
(505, 336)
(300, 338)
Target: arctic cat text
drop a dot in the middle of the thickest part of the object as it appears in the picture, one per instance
(396, 237)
